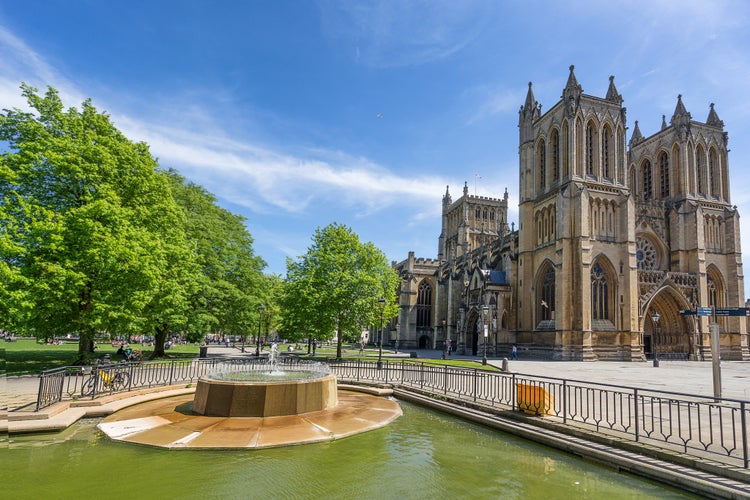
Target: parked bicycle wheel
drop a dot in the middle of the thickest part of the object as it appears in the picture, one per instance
(87, 388)
(120, 381)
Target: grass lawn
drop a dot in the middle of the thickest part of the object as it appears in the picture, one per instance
(26, 356)
(371, 355)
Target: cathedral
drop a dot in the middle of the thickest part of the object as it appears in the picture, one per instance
(621, 246)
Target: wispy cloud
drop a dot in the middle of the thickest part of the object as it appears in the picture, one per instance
(243, 172)
(398, 34)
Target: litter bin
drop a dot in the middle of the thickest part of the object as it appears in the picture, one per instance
(203, 351)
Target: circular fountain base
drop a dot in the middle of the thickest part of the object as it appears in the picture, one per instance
(239, 397)
(171, 423)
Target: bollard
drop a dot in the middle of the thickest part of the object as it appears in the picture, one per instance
(504, 366)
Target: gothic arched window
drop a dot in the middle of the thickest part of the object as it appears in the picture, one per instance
(599, 293)
(713, 177)
(590, 152)
(607, 150)
(663, 175)
(542, 167)
(555, 155)
(424, 304)
(565, 154)
(700, 167)
(547, 294)
(648, 192)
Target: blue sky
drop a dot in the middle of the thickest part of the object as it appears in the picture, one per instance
(298, 114)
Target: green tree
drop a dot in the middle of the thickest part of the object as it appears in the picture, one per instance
(229, 283)
(94, 232)
(335, 287)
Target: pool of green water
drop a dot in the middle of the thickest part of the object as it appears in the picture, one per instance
(422, 455)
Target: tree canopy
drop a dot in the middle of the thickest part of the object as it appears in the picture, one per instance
(94, 238)
(334, 289)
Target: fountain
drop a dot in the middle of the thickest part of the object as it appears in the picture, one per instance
(271, 392)
(259, 406)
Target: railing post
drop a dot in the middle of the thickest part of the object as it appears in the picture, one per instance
(421, 376)
(635, 413)
(474, 390)
(445, 380)
(387, 368)
(744, 434)
(40, 392)
(565, 400)
(513, 392)
(171, 371)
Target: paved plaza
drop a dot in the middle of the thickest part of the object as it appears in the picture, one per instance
(687, 377)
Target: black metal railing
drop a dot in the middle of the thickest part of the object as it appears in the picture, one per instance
(699, 426)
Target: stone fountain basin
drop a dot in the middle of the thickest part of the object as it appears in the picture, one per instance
(267, 397)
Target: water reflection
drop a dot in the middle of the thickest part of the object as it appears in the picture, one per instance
(421, 455)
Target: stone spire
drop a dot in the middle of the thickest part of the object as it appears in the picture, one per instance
(572, 93)
(530, 111)
(663, 122)
(637, 137)
(713, 118)
(680, 113)
(447, 197)
(612, 94)
(681, 119)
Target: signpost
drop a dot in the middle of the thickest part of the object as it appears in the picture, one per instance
(713, 329)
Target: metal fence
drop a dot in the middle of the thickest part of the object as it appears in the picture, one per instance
(699, 426)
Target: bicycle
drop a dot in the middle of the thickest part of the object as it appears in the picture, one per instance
(112, 379)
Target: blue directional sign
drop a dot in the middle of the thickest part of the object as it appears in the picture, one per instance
(731, 311)
(688, 312)
(705, 311)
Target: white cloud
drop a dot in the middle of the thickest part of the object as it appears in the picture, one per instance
(399, 34)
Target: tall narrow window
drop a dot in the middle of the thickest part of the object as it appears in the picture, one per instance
(424, 304)
(607, 152)
(647, 184)
(555, 155)
(713, 177)
(589, 150)
(565, 151)
(599, 293)
(547, 299)
(542, 167)
(700, 167)
(663, 175)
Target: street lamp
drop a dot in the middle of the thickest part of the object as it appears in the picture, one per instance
(260, 320)
(485, 308)
(398, 335)
(466, 318)
(381, 301)
(655, 318)
(445, 342)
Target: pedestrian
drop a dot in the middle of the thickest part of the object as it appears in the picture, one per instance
(315, 346)
(514, 353)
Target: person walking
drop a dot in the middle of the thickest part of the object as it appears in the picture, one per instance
(514, 353)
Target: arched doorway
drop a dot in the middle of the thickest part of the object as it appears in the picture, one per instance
(424, 342)
(672, 336)
(472, 332)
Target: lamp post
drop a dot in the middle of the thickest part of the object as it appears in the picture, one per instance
(260, 320)
(398, 335)
(655, 318)
(485, 308)
(466, 318)
(381, 301)
(445, 342)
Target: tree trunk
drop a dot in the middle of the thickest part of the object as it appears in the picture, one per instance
(159, 339)
(338, 343)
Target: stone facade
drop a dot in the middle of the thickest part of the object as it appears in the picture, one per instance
(610, 232)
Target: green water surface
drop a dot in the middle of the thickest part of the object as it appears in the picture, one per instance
(422, 455)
